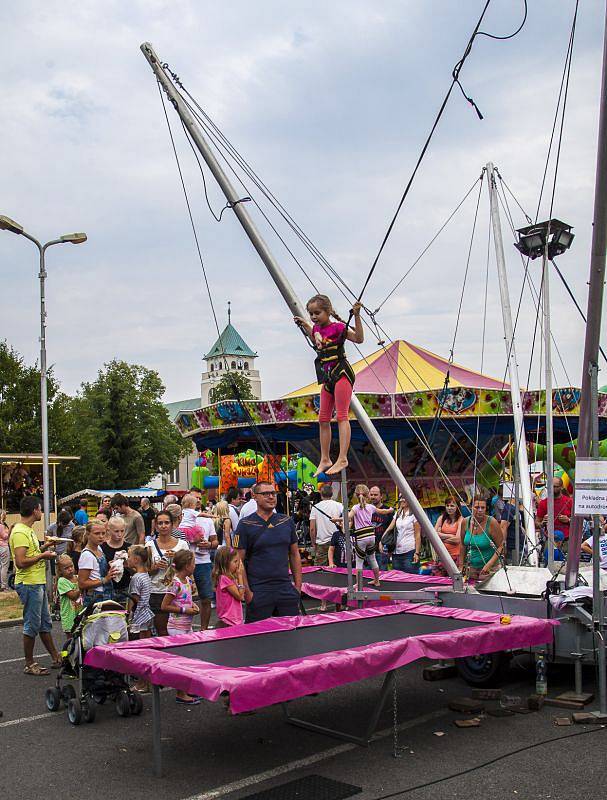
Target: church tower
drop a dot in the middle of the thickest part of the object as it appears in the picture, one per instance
(230, 348)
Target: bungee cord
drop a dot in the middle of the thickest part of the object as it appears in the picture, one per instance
(455, 81)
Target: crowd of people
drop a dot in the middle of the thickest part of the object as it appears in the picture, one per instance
(169, 567)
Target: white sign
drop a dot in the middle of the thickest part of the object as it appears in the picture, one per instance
(590, 501)
(591, 471)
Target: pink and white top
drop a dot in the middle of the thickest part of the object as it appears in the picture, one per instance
(182, 594)
(229, 609)
(331, 332)
(362, 516)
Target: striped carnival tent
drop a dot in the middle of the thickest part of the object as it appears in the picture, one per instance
(404, 367)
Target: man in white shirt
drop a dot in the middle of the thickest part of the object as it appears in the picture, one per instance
(250, 507)
(233, 499)
(321, 525)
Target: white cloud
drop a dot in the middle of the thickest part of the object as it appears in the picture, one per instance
(331, 104)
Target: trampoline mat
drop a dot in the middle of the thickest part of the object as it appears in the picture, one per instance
(340, 580)
(309, 640)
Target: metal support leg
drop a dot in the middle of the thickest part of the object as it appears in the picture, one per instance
(156, 741)
(363, 741)
(577, 665)
(359, 587)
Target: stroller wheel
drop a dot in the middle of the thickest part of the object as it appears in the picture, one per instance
(136, 703)
(67, 692)
(123, 704)
(88, 709)
(53, 699)
(74, 711)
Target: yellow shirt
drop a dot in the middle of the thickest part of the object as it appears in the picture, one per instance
(22, 536)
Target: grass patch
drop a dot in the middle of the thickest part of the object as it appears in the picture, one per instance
(10, 606)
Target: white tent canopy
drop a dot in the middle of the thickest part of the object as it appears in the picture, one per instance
(129, 493)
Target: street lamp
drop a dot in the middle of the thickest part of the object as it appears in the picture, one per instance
(547, 239)
(8, 224)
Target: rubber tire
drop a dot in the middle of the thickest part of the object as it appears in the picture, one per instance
(484, 671)
(68, 692)
(52, 698)
(89, 710)
(99, 699)
(74, 711)
(136, 702)
(123, 704)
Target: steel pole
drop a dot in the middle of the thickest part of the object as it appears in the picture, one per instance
(549, 421)
(598, 599)
(46, 488)
(295, 305)
(594, 310)
(515, 389)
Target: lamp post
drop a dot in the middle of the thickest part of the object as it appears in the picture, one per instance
(547, 239)
(8, 224)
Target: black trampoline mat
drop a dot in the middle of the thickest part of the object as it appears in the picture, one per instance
(340, 580)
(267, 648)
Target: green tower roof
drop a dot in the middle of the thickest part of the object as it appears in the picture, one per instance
(230, 343)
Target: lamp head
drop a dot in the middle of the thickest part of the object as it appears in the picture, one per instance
(8, 224)
(74, 238)
(533, 239)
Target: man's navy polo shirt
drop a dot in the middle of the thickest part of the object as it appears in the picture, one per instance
(267, 546)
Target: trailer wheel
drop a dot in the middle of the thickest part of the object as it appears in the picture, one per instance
(484, 670)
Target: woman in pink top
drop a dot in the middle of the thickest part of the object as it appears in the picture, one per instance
(4, 552)
(448, 526)
(364, 530)
(334, 373)
(228, 581)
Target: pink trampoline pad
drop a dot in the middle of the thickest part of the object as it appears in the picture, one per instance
(329, 584)
(405, 633)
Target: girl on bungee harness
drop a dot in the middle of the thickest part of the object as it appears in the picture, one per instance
(334, 373)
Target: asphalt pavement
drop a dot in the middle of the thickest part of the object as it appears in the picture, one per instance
(210, 754)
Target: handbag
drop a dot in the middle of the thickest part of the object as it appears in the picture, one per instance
(388, 541)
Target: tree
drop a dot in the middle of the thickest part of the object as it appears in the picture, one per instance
(20, 424)
(117, 424)
(135, 437)
(233, 386)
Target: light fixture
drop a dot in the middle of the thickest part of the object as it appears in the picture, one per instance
(74, 238)
(532, 239)
(8, 224)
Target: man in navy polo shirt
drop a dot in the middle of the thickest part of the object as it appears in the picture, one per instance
(267, 545)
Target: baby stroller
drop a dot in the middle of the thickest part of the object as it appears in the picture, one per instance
(99, 623)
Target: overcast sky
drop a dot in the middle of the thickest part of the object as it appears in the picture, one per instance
(331, 103)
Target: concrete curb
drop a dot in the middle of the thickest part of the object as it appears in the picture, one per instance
(10, 623)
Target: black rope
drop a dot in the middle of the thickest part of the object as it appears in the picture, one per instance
(564, 78)
(572, 296)
(429, 245)
(259, 435)
(455, 80)
(490, 762)
(443, 393)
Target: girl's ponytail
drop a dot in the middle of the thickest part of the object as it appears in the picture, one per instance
(142, 553)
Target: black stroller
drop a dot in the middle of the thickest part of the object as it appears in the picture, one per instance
(99, 623)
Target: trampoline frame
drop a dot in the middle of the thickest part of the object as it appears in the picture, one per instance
(300, 676)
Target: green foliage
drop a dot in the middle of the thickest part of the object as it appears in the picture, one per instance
(233, 386)
(117, 424)
(135, 437)
(20, 428)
